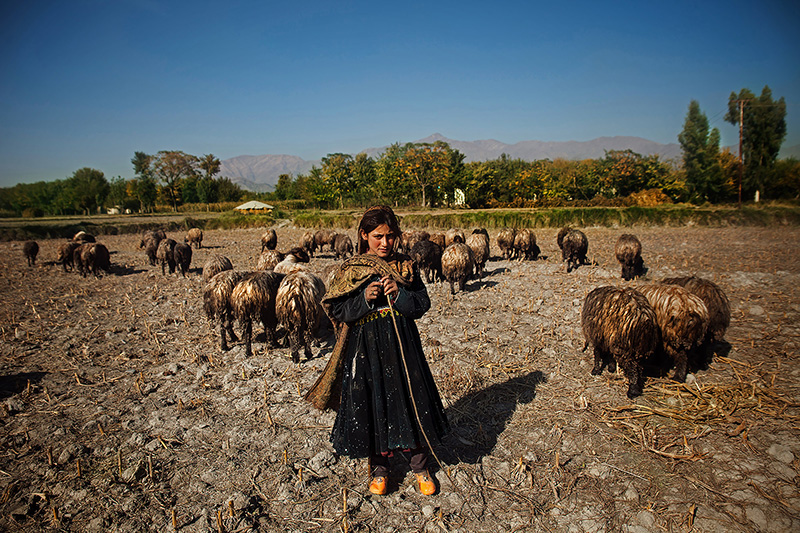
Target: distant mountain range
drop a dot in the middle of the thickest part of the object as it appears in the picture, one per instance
(260, 172)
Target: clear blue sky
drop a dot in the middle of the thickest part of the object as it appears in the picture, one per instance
(89, 82)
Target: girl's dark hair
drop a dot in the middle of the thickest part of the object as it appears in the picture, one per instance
(374, 217)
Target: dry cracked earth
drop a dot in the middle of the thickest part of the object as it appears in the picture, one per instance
(119, 412)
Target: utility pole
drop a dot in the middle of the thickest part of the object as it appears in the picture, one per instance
(741, 161)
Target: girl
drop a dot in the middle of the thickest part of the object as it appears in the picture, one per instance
(387, 389)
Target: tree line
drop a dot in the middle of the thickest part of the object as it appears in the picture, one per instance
(435, 174)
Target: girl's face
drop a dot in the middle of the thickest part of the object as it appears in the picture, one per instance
(380, 241)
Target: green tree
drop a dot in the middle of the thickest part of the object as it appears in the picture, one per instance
(364, 177)
(209, 165)
(171, 167)
(704, 179)
(337, 171)
(285, 188)
(228, 191)
(117, 192)
(426, 165)
(763, 132)
(89, 189)
(145, 186)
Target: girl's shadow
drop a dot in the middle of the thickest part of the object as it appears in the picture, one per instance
(477, 419)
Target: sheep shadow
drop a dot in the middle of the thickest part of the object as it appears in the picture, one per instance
(124, 270)
(478, 284)
(16, 383)
(478, 419)
(495, 272)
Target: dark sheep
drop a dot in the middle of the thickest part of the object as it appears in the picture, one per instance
(428, 257)
(629, 254)
(505, 241)
(91, 257)
(479, 244)
(166, 255)
(194, 237)
(343, 246)
(253, 298)
(299, 309)
(217, 303)
(622, 327)
(325, 237)
(82, 237)
(683, 321)
(525, 247)
(182, 257)
(458, 264)
(719, 311)
(65, 257)
(269, 241)
(308, 243)
(30, 249)
(149, 243)
(269, 259)
(214, 265)
(574, 245)
(291, 261)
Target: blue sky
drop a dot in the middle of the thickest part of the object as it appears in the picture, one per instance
(89, 82)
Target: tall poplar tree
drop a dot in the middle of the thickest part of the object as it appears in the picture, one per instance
(704, 179)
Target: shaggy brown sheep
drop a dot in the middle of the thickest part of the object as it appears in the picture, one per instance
(325, 237)
(91, 257)
(458, 264)
(299, 310)
(165, 254)
(268, 259)
(479, 244)
(82, 237)
(65, 251)
(269, 241)
(30, 250)
(214, 265)
(194, 237)
(622, 327)
(454, 235)
(343, 246)
(629, 254)
(308, 243)
(525, 247)
(505, 241)
(253, 298)
(217, 302)
(409, 238)
(574, 245)
(149, 243)
(182, 257)
(292, 261)
(438, 239)
(428, 257)
(683, 321)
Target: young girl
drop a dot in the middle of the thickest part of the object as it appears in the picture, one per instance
(387, 389)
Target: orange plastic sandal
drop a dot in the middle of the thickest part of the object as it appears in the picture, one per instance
(427, 485)
(378, 485)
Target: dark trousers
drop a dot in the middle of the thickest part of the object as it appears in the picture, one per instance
(380, 464)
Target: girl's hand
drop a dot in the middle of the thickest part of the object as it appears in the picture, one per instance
(390, 287)
(373, 291)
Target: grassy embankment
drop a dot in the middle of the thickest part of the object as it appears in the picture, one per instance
(680, 215)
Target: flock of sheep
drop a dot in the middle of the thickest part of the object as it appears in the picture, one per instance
(673, 323)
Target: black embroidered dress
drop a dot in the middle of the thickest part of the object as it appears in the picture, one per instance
(376, 413)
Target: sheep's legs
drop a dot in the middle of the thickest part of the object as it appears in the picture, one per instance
(248, 338)
(681, 360)
(633, 372)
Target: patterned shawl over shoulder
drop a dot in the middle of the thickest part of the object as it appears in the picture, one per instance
(350, 277)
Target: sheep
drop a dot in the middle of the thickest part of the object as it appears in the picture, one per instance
(428, 257)
(299, 310)
(269, 241)
(149, 243)
(194, 237)
(505, 241)
(165, 255)
(574, 245)
(182, 257)
(629, 254)
(30, 250)
(268, 259)
(82, 237)
(308, 243)
(217, 302)
(719, 311)
(683, 321)
(409, 238)
(457, 265)
(343, 246)
(214, 265)
(622, 327)
(453, 235)
(479, 244)
(91, 257)
(65, 251)
(291, 261)
(438, 239)
(253, 298)
(325, 237)
(525, 247)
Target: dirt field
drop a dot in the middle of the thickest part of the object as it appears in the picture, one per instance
(120, 413)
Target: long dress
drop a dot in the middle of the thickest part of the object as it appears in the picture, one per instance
(376, 414)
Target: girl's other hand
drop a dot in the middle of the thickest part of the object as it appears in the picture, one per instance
(373, 291)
